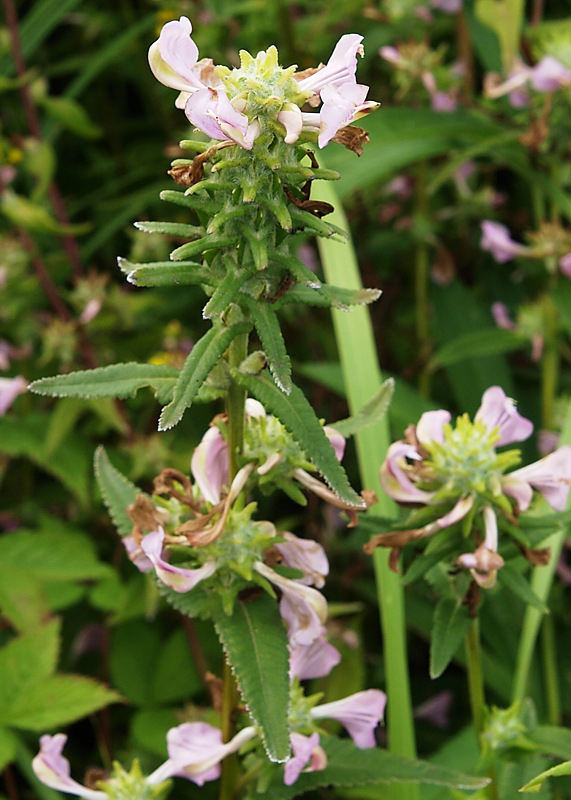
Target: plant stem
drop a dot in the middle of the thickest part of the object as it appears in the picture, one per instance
(550, 677)
(475, 675)
(421, 277)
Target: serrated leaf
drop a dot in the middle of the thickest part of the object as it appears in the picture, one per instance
(26, 660)
(451, 621)
(370, 414)
(327, 296)
(225, 294)
(517, 583)
(347, 766)
(170, 228)
(297, 415)
(203, 357)
(268, 329)
(255, 642)
(166, 273)
(57, 700)
(115, 380)
(116, 490)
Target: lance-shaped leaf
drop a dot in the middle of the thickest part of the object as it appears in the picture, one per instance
(166, 273)
(296, 414)
(202, 245)
(269, 330)
(347, 766)
(371, 413)
(171, 229)
(225, 294)
(197, 202)
(255, 642)
(203, 357)
(329, 296)
(116, 380)
(451, 621)
(116, 490)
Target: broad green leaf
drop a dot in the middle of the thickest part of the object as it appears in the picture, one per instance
(56, 700)
(269, 330)
(166, 273)
(7, 748)
(297, 415)
(22, 600)
(371, 413)
(115, 380)
(476, 344)
(505, 18)
(26, 660)
(551, 740)
(512, 579)
(56, 555)
(255, 642)
(347, 766)
(203, 357)
(555, 772)
(116, 490)
(451, 621)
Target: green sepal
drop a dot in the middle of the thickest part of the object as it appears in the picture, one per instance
(171, 228)
(328, 296)
(309, 222)
(348, 766)
(451, 621)
(203, 357)
(257, 241)
(277, 209)
(256, 646)
(202, 245)
(225, 294)
(196, 202)
(370, 414)
(268, 329)
(116, 490)
(167, 273)
(298, 417)
(115, 380)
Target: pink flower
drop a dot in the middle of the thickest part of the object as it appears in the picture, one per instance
(395, 474)
(551, 476)
(209, 465)
(195, 751)
(53, 769)
(565, 265)
(496, 239)
(306, 555)
(315, 660)
(176, 578)
(308, 756)
(498, 411)
(10, 388)
(501, 316)
(447, 6)
(359, 714)
(549, 75)
(484, 562)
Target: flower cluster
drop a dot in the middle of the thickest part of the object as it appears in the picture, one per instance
(454, 474)
(260, 96)
(550, 244)
(548, 75)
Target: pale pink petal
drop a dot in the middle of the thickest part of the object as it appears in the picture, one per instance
(136, 555)
(290, 117)
(501, 316)
(306, 555)
(430, 427)
(359, 713)
(315, 660)
(549, 75)
(173, 57)
(518, 490)
(499, 411)
(340, 68)
(10, 388)
(338, 110)
(551, 476)
(565, 265)
(336, 440)
(390, 54)
(308, 756)
(176, 578)
(496, 240)
(394, 477)
(209, 465)
(200, 109)
(53, 769)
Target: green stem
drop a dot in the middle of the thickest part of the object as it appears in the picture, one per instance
(362, 378)
(235, 410)
(475, 675)
(550, 676)
(421, 277)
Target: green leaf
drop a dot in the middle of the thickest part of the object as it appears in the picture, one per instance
(34, 216)
(170, 228)
(26, 660)
(512, 579)
(551, 740)
(115, 380)
(327, 296)
(57, 700)
(476, 344)
(371, 413)
(505, 18)
(269, 330)
(166, 273)
(297, 415)
(22, 600)
(116, 490)
(71, 115)
(225, 293)
(555, 772)
(203, 357)
(255, 642)
(7, 748)
(51, 555)
(451, 621)
(347, 766)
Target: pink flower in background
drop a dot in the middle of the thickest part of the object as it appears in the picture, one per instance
(315, 660)
(549, 75)
(498, 411)
(359, 714)
(496, 240)
(10, 388)
(53, 770)
(550, 476)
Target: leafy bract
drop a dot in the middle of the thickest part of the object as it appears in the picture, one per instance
(115, 380)
(371, 413)
(296, 414)
(268, 329)
(255, 642)
(116, 490)
(451, 621)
